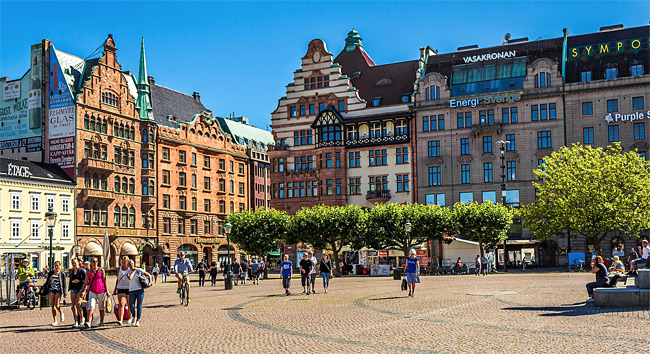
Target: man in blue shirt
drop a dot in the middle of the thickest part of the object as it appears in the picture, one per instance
(183, 267)
(287, 269)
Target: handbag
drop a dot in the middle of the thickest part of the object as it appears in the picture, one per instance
(404, 284)
(107, 304)
(143, 279)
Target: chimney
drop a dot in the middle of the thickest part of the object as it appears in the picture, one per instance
(197, 97)
(151, 80)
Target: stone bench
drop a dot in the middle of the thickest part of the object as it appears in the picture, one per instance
(643, 279)
(637, 295)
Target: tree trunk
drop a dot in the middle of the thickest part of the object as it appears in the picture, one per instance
(480, 245)
(335, 258)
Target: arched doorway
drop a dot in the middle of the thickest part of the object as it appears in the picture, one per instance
(618, 247)
(190, 253)
(207, 254)
(591, 249)
(91, 250)
(147, 256)
(550, 253)
(222, 254)
(129, 250)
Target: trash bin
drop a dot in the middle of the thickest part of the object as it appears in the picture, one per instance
(397, 274)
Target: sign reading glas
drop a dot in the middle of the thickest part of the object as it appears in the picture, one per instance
(61, 132)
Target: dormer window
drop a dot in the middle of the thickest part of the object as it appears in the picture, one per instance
(376, 101)
(171, 118)
(405, 98)
(585, 76)
(636, 69)
(611, 72)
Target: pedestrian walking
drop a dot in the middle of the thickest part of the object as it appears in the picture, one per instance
(484, 265)
(77, 276)
(164, 272)
(261, 270)
(122, 286)
(202, 267)
(136, 293)
(244, 270)
(477, 265)
(213, 272)
(287, 270)
(56, 288)
(236, 269)
(306, 267)
(155, 271)
(95, 286)
(326, 270)
(255, 272)
(314, 272)
(412, 272)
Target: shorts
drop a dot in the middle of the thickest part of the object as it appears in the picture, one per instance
(313, 278)
(55, 292)
(640, 261)
(413, 278)
(123, 291)
(22, 286)
(75, 291)
(94, 299)
(255, 275)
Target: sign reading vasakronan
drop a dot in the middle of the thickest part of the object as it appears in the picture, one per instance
(489, 56)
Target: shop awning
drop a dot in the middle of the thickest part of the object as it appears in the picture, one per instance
(93, 249)
(128, 249)
(521, 242)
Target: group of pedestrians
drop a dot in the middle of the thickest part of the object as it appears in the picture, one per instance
(242, 269)
(308, 266)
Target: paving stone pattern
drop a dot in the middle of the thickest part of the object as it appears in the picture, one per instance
(515, 313)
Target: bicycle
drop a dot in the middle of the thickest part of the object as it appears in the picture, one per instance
(578, 266)
(29, 295)
(183, 296)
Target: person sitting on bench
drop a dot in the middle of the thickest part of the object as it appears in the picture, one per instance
(644, 251)
(602, 280)
(617, 266)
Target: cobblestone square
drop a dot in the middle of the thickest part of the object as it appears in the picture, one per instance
(513, 313)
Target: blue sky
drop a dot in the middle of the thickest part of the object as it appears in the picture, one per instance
(240, 55)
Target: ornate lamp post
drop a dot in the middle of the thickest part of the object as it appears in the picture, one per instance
(50, 220)
(227, 227)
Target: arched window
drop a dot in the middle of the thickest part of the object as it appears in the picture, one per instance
(145, 187)
(125, 185)
(116, 129)
(103, 184)
(86, 122)
(121, 130)
(95, 215)
(145, 161)
(151, 136)
(618, 247)
(103, 216)
(104, 126)
(125, 156)
(151, 188)
(132, 186)
(117, 184)
(125, 216)
(127, 132)
(145, 136)
(86, 179)
(87, 214)
(92, 123)
(132, 133)
(116, 216)
(132, 217)
(152, 219)
(95, 181)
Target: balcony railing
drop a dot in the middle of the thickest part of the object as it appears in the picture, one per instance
(147, 172)
(97, 194)
(366, 140)
(97, 164)
(378, 194)
(148, 200)
(487, 128)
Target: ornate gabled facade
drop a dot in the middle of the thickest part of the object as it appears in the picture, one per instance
(343, 131)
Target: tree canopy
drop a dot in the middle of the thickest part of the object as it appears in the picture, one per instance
(592, 192)
(258, 232)
(486, 223)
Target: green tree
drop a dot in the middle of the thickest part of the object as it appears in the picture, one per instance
(386, 225)
(485, 223)
(258, 232)
(328, 227)
(591, 192)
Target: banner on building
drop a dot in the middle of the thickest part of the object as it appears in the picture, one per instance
(61, 119)
(21, 116)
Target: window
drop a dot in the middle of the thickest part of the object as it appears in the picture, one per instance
(639, 131)
(482, 117)
(167, 225)
(15, 229)
(512, 198)
(65, 204)
(468, 119)
(222, 206)
(378, 183)
(207, 226)
(222, 185)
(464, 174)
(464, 146)
(182, 156)
(354, 159)
(511, 170)
(466, 197)
(193, 159)
(637, 103)
(206, 183)
(166, 201)
(341, 105)
(354, 185)
(402, 183)
(110, 99)
(302, 137)
(505, 116)
(434, 176)
(551, 111)
(378, 157)
(542, 112)
(612, 133)
(542, 80)
(145, 160)
(611, 72)
(222, 165)
(587, 108)
(242, 169)
(165, 177)
(145, 187)
(487, 172)
(487, 144)
(588, 135)
(425, 123)
(510, 146)
(34, 230)
(231, 166)
(206, 162)
(181, 226)
(232, 187)
(376, 101)
(182, 182)
(402, 155)
(194, 180)
(65, 230)
(194, 226)
(401, 128)
(207, 205)
(544, 140)
(489, 196)
(461, 122)
(534, 116)
(182, 202)
(585, 76)
(232, 207)
(293, 111)
(612, 106)
(441, 122)
(435, 199)
(35, 202)
(636, 70)
(434, 148)
(241, 188)
(513, 115)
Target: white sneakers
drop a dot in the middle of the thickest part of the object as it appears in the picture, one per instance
(88, 325)
(75, 325)
(55, 323)
(137, 323)
(83, 320)
(62, 317)
(130, 320)
(119, 323)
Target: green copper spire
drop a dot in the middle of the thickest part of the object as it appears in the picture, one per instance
(353, 40)
(144, 103)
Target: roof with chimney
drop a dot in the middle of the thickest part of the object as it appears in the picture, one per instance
(171, 107)
(390, 81)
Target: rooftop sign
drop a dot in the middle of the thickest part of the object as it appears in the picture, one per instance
(485, 100)
(627, 45)
(18, 171)
(489, 56)
(617, 117)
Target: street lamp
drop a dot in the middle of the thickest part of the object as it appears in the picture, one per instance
(407, 227)
(227, 227)
(503, 194)
(50, 220)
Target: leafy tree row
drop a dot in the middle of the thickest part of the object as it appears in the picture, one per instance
(382, 227)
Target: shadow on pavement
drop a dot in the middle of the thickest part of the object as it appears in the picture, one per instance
(577, 309)
(388, 298)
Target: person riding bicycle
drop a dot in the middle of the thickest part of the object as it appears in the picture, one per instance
(25, 273)
(183, 267)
